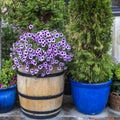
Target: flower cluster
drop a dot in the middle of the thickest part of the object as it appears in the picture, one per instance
(10, 83)
(39, 53)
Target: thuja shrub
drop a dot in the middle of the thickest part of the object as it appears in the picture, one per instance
(44, 14)
(9, 35)
(90, 35)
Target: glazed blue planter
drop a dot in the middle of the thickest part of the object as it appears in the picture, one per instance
(90, 99)
(7, 98)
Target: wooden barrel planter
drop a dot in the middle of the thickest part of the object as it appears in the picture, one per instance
(40, 98)
(114, 101)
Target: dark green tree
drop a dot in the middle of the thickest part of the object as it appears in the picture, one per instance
(9, 36)
(43, 14)
(90, 35)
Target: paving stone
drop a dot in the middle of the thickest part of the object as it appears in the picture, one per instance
(12, 118)
(68, 112)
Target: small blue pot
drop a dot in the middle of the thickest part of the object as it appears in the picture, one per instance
(7, 98)
(90, 99)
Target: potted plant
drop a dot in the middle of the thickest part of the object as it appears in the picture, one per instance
(41, 59)
(7, 87)
(91, 70)
(38, 14)
(114, 98)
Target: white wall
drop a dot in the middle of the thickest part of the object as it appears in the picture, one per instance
(116, 39)
(0, 43)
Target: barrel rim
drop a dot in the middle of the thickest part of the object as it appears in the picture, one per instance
(9, 87)
(39, 75)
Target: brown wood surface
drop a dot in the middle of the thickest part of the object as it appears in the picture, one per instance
(32, 86)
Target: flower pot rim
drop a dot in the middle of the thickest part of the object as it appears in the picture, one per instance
(9, 87)
(82, 84)
(39, 75)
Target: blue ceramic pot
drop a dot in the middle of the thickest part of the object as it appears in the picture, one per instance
(90, 98)
(7, 98)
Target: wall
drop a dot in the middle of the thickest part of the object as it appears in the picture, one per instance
(116, 38)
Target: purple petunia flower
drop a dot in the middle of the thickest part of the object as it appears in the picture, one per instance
(40, 67)
(45, 64)
(49, 40)
(53, 39)
(59, 68)
(30, 49)
(30, 45)
(48, 34)
(50, 67)
(15, 78)
(41, 51)
(26, 70)
(20, 53)
(31, 71)
(36, 71)
(30, 56)
(15, 59)
(51, 56)
(20, 66)
(63, 40)
(13, 67)
(48, 59)
(55, 31)
(43, 74)
(38, 50)
(39, 40)
(53, 62)
(23, 59)
(63, 48)
(61, 64)
(57, 35)
(43, 44)
(1, 85)
(61, 34)
(68, 47)
(47, 72)
(34, 53)
(56, 61)
(34, 62)
(21, 46)
(11, 55)
(30, 27)
(18, 50)
(12, 82)
(11, 49)
(41, 58)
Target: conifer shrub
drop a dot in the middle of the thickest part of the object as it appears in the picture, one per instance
(90, 35)
(9, 35)
(44, 14)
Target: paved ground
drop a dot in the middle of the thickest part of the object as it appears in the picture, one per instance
(68, 112)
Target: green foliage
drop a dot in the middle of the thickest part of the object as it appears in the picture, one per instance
(117, 71)
(44, 14)
(7, 74)
(116, 79)
(90, 35)
(9, 35)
